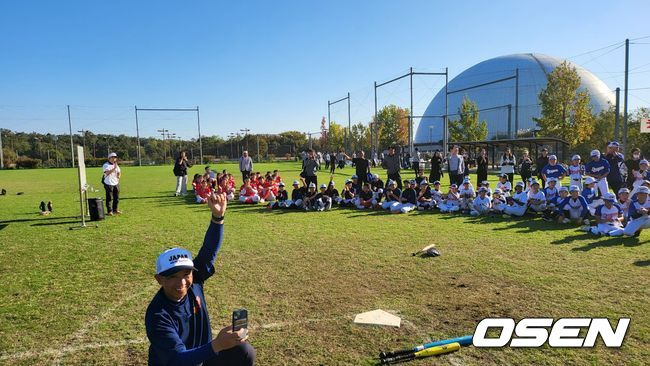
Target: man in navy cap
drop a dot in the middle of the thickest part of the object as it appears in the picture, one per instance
(615, 160)
(177, 321)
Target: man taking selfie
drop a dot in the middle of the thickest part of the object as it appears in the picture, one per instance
(177, 321)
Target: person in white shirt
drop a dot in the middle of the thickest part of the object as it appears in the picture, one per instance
(576, 170)
(504, 185)
(609, 216)
(467, 195)
(638, 219)
(481, 204)
(111, 180)
(518, 203)
(436, 194)
(536, 198)
(451, 202)
(498, 201)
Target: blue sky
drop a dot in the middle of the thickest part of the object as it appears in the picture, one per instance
(272, 66)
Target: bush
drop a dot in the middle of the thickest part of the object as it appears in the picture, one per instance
(28, 163)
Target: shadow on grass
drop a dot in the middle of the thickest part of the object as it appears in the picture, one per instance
(39, 218)
(147, 197)
(611, 242)
(57, 223)
(2, 226)
(644, 263)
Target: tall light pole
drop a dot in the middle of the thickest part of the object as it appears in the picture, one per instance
(231, 136)
(71, 141)
(2, 158)
(245, 131)
(56, 148)
(83, 138)
(163, 132)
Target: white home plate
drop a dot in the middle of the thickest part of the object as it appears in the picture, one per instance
(378, 317)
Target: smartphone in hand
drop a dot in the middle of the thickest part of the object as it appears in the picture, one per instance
(240, 321)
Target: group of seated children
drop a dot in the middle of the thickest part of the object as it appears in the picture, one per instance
(261, 188)
(204, 185)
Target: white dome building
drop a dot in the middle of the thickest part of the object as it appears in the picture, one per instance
(497, 101)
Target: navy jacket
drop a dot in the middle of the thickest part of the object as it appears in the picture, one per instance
(180, 332)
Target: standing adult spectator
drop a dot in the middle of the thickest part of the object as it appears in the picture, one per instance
(111, 180)
(309, 168)
(392, 164)
(177, 321)
(481, 167)
(632, 165)
(415, 161)
(507, 164)
(362, 166)
(327, 160)
(598, 168)
(245, 165)
(554, 170)
(340, 158)
(466, 162)
(332, 162)
(615, 160)
(540, 163)
(319, 156)
(455, 167)
(525, 167)
(180, 171)
(436, 167)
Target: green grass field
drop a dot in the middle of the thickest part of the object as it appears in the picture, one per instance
(79, 297)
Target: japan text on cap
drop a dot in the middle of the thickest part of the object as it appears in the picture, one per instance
(173, 260)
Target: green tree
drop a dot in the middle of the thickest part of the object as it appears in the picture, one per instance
(468, 127)
(566, 111)
(392, 126)
(336, 136)
(634, 136)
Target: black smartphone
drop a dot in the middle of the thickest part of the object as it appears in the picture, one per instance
(239, 319)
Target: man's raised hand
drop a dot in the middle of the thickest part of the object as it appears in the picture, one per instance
(218, 204)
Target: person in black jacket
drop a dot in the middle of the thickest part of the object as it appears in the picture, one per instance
(180, 171)
(540, 163)
(632, 165)
(525, 167)
(436, 167)
(481, 167)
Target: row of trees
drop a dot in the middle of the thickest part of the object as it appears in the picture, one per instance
(34, 149)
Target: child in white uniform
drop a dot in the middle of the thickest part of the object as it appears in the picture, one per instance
(609, 216)
(624, 202)
(504, 185)
(467, 195)
(481, 204)
(536, 198)
(498, 201)
(451, 202)
(576, 170)
(639, 218)
(518, 203)
(436, 195)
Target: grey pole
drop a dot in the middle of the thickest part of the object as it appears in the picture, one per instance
(71, 143)
(347, 140)
(329, 123)
(617, 116)
(516, 102)
(376, 125)
(2, 161)
(411, 114)
(510, 121)
(627, 71)
(445, 133)
(198, 122)
(137, 134)
(259, 158)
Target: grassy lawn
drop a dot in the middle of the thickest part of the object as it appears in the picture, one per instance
(79, 297)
